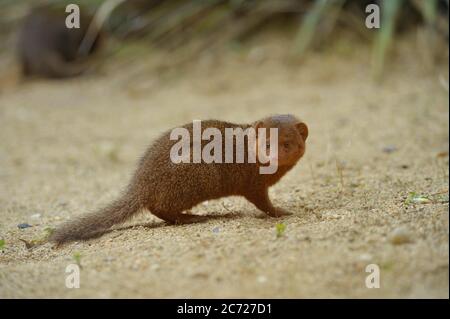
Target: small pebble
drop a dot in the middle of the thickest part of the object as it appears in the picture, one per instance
(400, 235)
(389, 149)
(62, 203)
(109, 259)
(24, 225)
(216, 230)
(257, 55)
(35, 216)
(261, 279)
(154, 267)
(200, 275)
(365, 257)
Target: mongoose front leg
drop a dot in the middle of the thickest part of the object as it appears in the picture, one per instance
(262, 201)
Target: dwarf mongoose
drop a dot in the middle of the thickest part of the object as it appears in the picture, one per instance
(168, 189)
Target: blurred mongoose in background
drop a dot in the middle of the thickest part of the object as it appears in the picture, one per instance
(168, 189)
(47, 48)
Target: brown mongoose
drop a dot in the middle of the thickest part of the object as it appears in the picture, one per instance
(168, 189)
(47, 48)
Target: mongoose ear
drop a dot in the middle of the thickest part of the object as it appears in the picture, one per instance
(303, 130)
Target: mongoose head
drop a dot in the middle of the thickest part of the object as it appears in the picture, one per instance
(292, 135)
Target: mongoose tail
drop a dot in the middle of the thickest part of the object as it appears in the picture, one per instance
(91, 225)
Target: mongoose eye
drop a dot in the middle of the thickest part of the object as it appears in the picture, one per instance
(286, 145)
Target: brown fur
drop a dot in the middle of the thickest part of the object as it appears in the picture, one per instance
(167, 189)
(47, 48)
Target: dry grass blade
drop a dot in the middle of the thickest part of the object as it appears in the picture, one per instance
(184, 17)
(389, 13)
(308, 26)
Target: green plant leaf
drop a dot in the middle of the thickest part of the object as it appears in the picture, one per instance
(280, 229)
(414, 198)
(77, 257)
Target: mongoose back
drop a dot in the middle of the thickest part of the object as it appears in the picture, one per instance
(47, 48)
(169, 190)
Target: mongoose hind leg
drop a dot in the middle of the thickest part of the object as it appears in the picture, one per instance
(189, 219)
(178, 217)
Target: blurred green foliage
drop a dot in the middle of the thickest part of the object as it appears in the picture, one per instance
(175, 23)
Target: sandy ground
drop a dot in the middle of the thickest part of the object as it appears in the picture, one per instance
(69, 147)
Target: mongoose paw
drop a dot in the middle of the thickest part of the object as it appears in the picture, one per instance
(279, 212)
(189, 219)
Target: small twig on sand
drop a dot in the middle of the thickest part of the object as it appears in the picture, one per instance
(339, 169)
